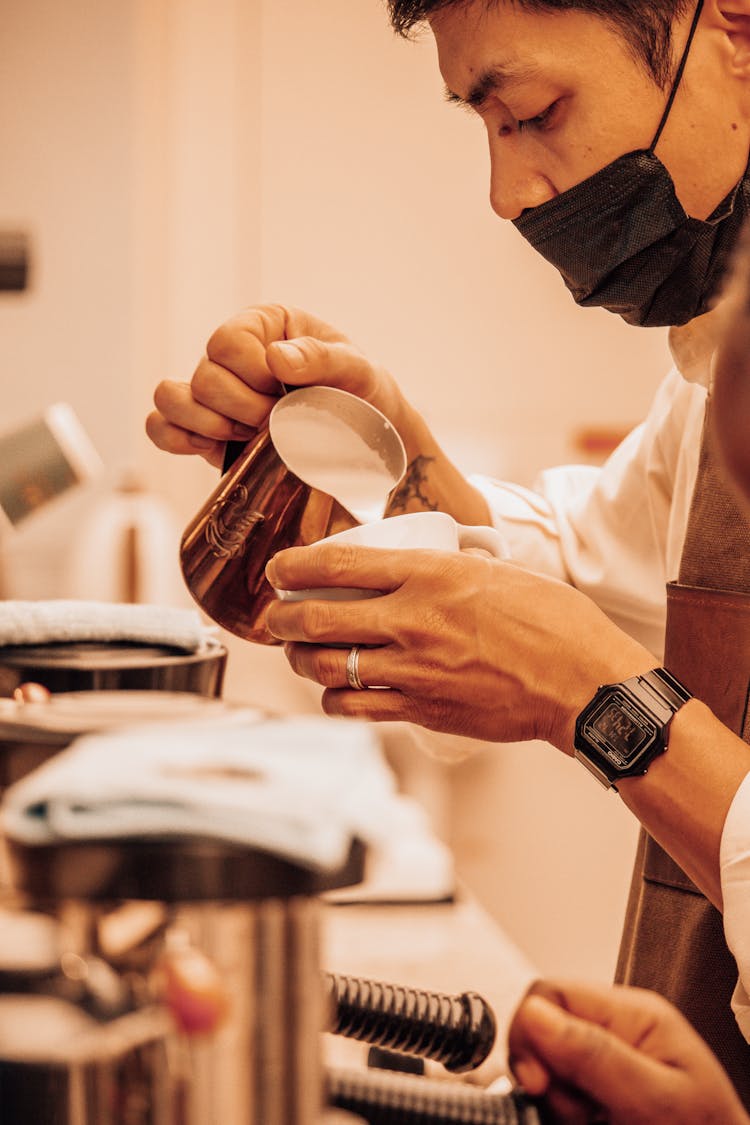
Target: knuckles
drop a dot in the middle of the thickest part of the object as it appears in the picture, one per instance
(325, 668)
(164, 394)
(155, 431)
(317, 565)
(222, 345)
(203, 384)
(314, 350)
(336, 562)
(315, 620)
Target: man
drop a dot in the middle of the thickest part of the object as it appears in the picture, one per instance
(625, 1053)
(619, 135)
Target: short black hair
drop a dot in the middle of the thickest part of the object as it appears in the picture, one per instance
(644, 25)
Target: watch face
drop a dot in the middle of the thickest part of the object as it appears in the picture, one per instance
(619, 730)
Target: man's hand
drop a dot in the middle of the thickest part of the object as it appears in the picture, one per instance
(237, 382)
(620, 1055)
(467, 645)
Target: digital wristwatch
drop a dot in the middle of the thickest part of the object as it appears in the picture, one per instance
(626, 725)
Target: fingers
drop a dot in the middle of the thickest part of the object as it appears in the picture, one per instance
(625, 1049)
(240, 343)
(238, 380)
(590, 1058)
(173, 439)
(386, 692)
(297, 349)
(182, 425)
(381, 706)
(331, 623)
(218, 392)
(335, 565)
(634, 1015)
(372, 621)
(345, 565)
(270, 344)
(239, 346)
(327, 666)
(629, 1012)
(377, 701)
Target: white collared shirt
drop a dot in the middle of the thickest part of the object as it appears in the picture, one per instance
(616, 533)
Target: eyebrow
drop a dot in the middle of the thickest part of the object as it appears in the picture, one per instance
(491, 81)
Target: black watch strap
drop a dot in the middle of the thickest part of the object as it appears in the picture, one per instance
(665, 689)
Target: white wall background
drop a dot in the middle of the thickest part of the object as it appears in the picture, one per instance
(174, 160)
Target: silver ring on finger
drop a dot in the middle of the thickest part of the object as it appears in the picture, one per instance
(352, 670)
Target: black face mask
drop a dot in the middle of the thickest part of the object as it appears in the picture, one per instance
(622, 240)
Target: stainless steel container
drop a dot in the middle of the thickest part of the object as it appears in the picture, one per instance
(58, 1067)
(252, 915)
(73, 1046)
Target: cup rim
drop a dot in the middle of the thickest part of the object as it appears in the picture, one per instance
(323, 390)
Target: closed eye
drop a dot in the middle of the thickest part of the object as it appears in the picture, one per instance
(541, 121)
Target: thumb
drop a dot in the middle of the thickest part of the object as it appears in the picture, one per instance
(306, 360)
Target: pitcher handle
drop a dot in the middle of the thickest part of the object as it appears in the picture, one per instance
(482, 539)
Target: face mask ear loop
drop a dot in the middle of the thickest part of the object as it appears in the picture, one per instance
(678, 76)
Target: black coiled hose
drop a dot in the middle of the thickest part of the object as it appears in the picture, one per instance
(380, 1098)
(457, 1031)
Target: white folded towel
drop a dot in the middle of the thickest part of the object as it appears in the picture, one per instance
(59, 621)
(300, 788)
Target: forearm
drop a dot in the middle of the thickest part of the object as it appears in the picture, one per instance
(432, 481)
(684, 798)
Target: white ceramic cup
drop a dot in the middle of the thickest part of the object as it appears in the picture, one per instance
(435, 531)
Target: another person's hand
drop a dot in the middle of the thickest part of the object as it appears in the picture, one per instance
(467, 645)
(620, 1055)
(237, 382)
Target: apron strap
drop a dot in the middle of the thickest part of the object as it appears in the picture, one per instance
(716, 552)
(708, 648)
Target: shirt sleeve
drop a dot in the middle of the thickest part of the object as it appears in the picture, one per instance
(735, 887)
(613, 531)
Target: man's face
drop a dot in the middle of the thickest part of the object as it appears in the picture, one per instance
(561, 96)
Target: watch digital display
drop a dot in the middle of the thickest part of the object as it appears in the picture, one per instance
(618, 730)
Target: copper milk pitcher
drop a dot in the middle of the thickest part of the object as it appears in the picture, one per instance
(273, 497)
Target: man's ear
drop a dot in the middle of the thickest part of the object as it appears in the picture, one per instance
(733, 17)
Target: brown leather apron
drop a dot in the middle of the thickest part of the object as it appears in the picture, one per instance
(673, 940)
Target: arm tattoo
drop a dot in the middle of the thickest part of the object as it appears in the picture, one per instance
(411, 491)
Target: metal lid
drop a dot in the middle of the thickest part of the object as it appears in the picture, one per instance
(184, 870)
(62, 717)
(97, 655)
(112, 665)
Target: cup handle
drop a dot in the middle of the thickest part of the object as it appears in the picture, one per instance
(482, 539)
